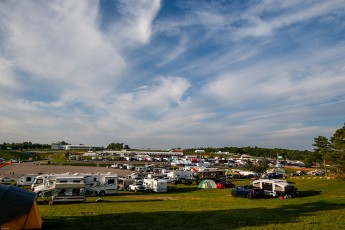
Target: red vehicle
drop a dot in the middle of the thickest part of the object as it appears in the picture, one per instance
(225, 184)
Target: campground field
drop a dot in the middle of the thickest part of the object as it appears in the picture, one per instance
(320, 205)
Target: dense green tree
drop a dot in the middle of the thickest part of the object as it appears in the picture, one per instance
(337, 156)
(322, 150)
(115, 146)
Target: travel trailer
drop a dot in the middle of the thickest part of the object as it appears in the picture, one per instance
(275, 186)
(181, 177)
(149, 185)
(26, 180)
(156, 185)
(98, 184)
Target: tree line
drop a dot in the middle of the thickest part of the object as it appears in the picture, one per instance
(23, 146)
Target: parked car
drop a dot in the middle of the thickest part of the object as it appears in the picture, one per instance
(225, 184)
(242, 190)
(250, 192)
(259, 193)
(7, 179)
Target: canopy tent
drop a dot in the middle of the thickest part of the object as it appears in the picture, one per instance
(19, 208)
(207, 183)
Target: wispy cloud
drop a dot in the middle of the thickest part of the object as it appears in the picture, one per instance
(171, 73)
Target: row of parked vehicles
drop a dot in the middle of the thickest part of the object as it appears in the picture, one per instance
(75, 187)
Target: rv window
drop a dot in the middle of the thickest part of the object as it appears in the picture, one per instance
(63, 181)
(28, 179)
(76, 181)
(111, 181)
(75, 192)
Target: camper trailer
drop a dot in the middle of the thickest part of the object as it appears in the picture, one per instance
(156, 185)
(98, 184)
(26, 180)
(181, 177)
(276, 187)
(149, 185)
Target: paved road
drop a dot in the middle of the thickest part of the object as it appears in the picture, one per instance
(17, 170)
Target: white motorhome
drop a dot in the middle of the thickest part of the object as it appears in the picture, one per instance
(100, 184)
(277, 187)
(26, 180)
(45, 183)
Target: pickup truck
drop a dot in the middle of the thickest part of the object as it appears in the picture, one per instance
(136, 186)
(242, 190)
(249, 191)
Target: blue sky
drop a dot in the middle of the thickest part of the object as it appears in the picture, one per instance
(165, 74)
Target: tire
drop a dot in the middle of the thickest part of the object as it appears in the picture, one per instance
(101, 193)
(233, 194)
(250, 195)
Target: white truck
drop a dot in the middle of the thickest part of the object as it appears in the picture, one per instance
(95, 184)
(26, 180)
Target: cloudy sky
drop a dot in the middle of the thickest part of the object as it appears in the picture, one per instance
(165, 74)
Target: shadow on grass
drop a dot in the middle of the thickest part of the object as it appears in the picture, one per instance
(125, 201)
(306, 193)
(225, 219)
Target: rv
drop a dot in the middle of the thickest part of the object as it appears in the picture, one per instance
(26, 180)
(66, 192)
(156, 185)
(99, 184)
(276, 187)
(48, 183)
(181, 177)
(150, 185)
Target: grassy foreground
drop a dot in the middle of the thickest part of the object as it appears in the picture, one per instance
(320, 205)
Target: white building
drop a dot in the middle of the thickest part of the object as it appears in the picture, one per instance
(79, 147)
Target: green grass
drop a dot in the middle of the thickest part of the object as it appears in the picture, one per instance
(321, 205)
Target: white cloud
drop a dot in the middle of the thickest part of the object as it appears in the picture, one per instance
(185, 80)
(134, 28)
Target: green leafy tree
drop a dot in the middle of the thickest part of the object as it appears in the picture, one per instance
(337, 156)
(115, 146)
(322, 150)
